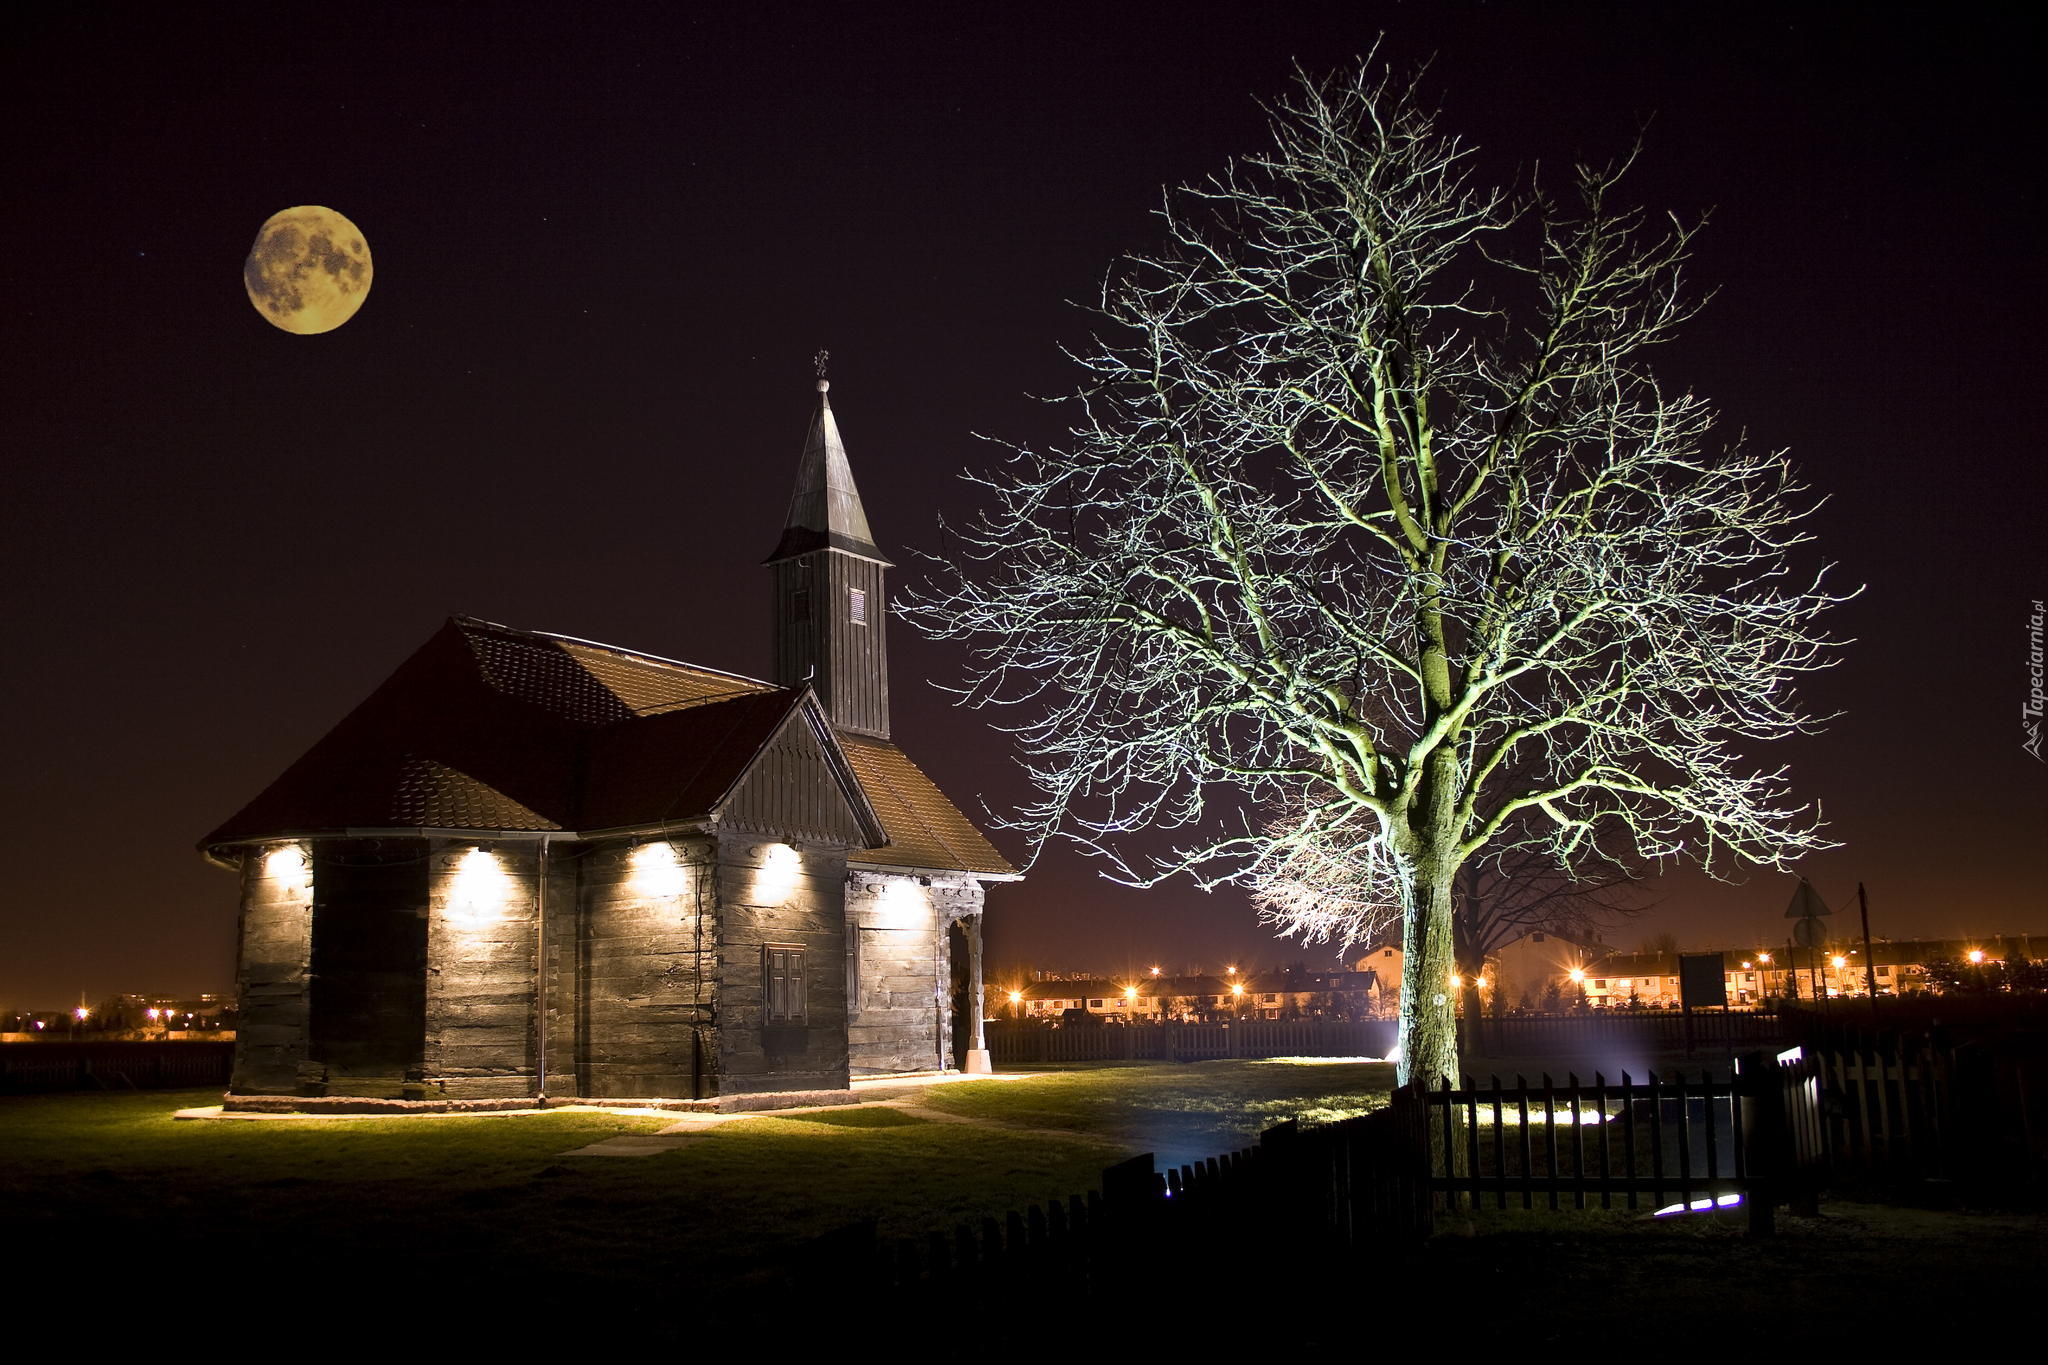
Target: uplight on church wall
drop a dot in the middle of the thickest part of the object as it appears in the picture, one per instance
(776, 880)
(900, 903)
(287, 864)
(657, 871)
(478, 889)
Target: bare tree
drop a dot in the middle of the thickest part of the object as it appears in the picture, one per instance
(1371, 502)
(1328, 890)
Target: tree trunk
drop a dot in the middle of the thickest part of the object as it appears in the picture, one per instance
(1429, 1033)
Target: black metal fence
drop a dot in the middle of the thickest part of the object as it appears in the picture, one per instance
(48, 1066)
(1678, 1143)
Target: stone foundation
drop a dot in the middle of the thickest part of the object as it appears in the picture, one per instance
(362, 1105)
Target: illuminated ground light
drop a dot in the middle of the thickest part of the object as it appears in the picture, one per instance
(1726, 1201)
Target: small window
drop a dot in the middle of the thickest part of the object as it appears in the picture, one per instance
(857, 606)
(800, 604)
(1094, 1004)
(782, 968)
(1536, 938)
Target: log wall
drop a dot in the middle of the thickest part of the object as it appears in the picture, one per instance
(480, 959)
(636, 1019)
(902, 1015)
(771, 894)
(275, 950)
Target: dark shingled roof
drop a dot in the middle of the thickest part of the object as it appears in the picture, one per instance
(925, 829)
(490, 728)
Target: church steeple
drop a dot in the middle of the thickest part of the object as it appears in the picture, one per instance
(825, 509)
(829, 602)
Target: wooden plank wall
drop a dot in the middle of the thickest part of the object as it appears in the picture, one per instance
(480, 954)
(851, 662)
(275, 951)
(639, 1010)
(761, 904)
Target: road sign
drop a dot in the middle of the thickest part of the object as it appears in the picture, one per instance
(1806, 903)
(1702, 981)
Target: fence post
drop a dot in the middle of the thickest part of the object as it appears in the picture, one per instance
(845, 1266)
(1763, 1138)
(1128, 1185)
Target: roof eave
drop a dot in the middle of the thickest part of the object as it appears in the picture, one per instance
(867, 865)
(212, 850)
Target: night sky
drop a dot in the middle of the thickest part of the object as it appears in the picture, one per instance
(609, 239)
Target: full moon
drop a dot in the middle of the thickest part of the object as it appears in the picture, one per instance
(309, 270)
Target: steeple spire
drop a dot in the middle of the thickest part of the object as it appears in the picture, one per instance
(825, 509)
(830, 603)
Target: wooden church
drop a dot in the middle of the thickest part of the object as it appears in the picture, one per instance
(530, 866)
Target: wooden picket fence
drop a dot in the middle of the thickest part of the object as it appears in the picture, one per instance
(1349, 1188)
(1030, 1043)
(1776, 1133)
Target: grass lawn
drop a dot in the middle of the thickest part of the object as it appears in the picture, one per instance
(387, 1232)
(1179, 1113)
(338, 1218)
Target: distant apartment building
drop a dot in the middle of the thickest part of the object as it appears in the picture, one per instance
(1196, 997)
(1543, 972)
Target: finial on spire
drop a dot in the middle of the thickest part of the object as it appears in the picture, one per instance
(820, 360)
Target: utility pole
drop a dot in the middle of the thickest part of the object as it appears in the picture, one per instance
(1869, 958)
